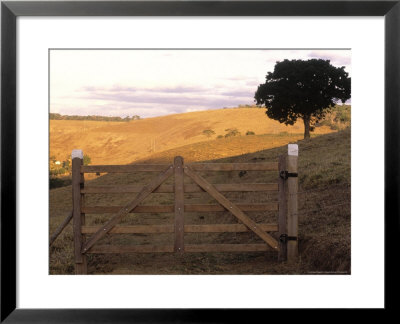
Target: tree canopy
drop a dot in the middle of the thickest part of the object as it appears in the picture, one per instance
(303, 89)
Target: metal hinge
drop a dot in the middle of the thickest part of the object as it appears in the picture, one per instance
(284, 238)
(287, 174)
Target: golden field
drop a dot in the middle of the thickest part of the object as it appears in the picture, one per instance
(126, 142)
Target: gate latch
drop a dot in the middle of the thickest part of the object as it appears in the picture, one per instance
(284, 238)
(286, 174)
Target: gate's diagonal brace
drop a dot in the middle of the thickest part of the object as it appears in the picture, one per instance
(232, 208)
(148, 189)
(61, 227)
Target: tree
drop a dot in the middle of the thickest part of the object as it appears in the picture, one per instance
(303, 89)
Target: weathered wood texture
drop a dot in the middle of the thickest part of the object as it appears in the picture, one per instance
(189, 188)
(131, 249)
(154, 229)
(123, 168)
(187, 208)
(292, 214)
(282, 209)
(80, 259)
(227, 247)
(230, 206)
(267, 166)
(232, 228)
(60, 228)
(286, 205)
(188, 248)
(132, 229)
(179, 205)
(128, 207)
(83, 266)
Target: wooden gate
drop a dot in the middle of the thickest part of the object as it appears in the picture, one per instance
(285, 243)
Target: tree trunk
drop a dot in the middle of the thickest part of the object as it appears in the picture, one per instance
(306, 119)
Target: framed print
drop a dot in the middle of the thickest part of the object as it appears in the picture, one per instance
(73, 72)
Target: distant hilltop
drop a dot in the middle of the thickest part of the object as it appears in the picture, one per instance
(55, 116)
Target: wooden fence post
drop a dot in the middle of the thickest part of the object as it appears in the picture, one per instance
(78, 217)
(282, 221)
(179, 205)
(292, 216)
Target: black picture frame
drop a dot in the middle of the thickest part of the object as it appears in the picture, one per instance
(10, 10)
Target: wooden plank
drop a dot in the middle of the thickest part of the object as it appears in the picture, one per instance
(132, 229)
(282, 210)
(266, 166)
(242, 207)
(231, 228)
(124, 189)
(128, 207)
(292, 217)
(156, 229)
(76, 209)
(131, 249)
(179, 205)
(188, 248)
(82, 267)
(138, 209)
(232, 208)
(187, 208)
(188, 188)
(123, 168)
(61, 227)
(227, 247)
(246, 187)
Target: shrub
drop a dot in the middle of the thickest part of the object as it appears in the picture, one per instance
(208, 132)
(343, 115)
(232, 132)
(86, 160)
(250, 133)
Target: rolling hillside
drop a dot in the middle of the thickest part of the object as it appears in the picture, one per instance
(126, 142)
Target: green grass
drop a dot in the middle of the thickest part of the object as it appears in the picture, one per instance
(339, 118)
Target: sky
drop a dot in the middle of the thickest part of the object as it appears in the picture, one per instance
(153, 83)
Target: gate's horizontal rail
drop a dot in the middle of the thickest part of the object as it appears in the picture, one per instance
(123, 168)
(131, 249)
(266, 166)
(188, 248)
(231, 228)
(138, 209)
(189, 188)
(227, 247)
(171, 209)
(152, 229)
(243, 207)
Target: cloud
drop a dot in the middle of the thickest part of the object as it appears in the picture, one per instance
(239, 93)
(175, 99)
(165, 81)
(120, 88)
(337, 58)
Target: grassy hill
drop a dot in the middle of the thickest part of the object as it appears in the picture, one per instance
(324, 204)
(126, 142)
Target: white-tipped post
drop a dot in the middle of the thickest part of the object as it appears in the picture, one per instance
(78, 216)
(293, 149)
(292, 216)
(77, 154)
